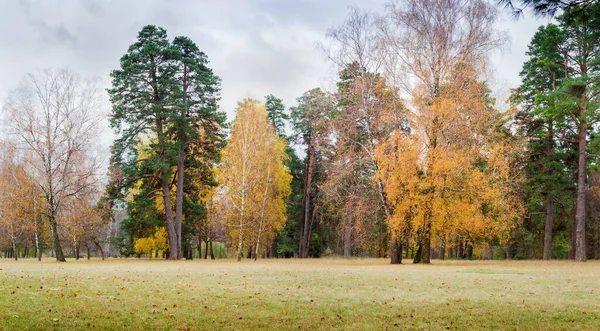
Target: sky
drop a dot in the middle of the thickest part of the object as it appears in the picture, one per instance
(257, 47)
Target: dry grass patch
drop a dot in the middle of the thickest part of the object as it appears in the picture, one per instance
(354, 294)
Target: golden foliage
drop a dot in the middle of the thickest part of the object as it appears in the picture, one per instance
(451, 176)
(254, 182)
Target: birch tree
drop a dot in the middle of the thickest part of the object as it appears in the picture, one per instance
(253, 179)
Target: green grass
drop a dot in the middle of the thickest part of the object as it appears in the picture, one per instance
(354, 294)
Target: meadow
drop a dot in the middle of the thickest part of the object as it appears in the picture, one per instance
(331, 293)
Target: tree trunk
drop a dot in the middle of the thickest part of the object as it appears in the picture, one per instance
(548, 228)
(76, 250)
(60, 257)
(100, 248)
(262, 212)
(212, 254)
(199, 245)
(38, 252)
(14, 243)
(426, 247)
(88, 251)
(425, 241)
(418, 254)
(460, 249)
(180, 167)
(469, 250)
(171, 231)
(443, 250)
(395, 251)
(348, 237)
(179, 198)
(305, 224)
(206, 249)
(580, 251)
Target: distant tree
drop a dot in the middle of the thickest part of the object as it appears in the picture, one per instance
(276, 113)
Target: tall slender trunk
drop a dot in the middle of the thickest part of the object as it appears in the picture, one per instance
(262, 212)
(179, 199)
(241, 223)
(580, 252)
(548, 227)
(549, 197)
(306, 227)
(180, 166)
(212, 253)
(245, 147)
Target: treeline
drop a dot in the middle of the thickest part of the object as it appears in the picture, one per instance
(409, 155)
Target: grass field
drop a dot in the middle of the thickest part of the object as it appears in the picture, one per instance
(356, 294)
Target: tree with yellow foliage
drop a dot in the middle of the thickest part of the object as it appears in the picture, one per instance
(153, 244)
(452, 176)
(254, 182)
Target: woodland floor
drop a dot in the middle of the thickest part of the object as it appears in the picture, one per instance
(353, 294)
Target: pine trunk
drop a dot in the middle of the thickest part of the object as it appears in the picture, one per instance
(305, 224)
(179, 198)
(548, 228)
(171, 231)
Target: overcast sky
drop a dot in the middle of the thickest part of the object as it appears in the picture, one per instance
(257, 47)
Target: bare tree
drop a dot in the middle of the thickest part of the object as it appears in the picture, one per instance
(54, 117)
(370, 112)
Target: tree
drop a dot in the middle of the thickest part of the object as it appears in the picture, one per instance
(54, 116)
(368, 111)
(544, 7)
(580, 96)
(425, 42)
(164, 92)
(276, 114)
(309, 119)
(542, 122)
(199, 124)
(452, 175)
(15, 204)
(252, 177)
